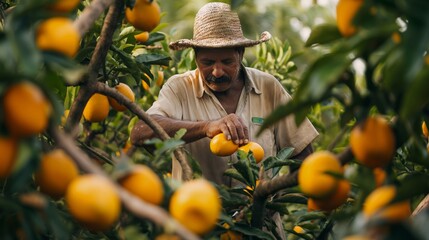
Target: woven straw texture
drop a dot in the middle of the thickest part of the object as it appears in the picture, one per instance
(217, 26)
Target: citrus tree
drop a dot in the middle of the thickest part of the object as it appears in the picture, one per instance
(76, 76)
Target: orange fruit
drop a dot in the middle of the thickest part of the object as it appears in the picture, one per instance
(373, 142)
(257, 150)
(166, 236)
(378, 203)
(144, 16)
(230, 235)
(336, 199)
(142, 37)
(346, 11)
(221, 146)
(125, 90)
(97, 108)
(379, 176)
(9, 152)
(313, 177)
(427, 59)
(55, 173)
(425, 129)
(196, 205)
(59, 35)
(146, 87)
(93, 201)
(396, 37)
(160, 79)
(64, 5)
(145, 184)
(298, 229)
(26, 109)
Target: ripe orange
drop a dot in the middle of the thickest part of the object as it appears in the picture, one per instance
(144, 16)
(145, 184)
(230, 235)
(26, 109)
(93, 201)
(336, 199)
(97, 108)
(425, 129)
(373, 142)
(146, 87)
(64, 5)
(396, 37)
(379, 176)
(196, 205)
(142, 37)
(313, 177)
(125, 90)
(257, 150)
(166, 236)
(59, 35)
(160, 79)
(346, 11)
(9, 152)
(378, 203)
(221, 146)
(55, 173)
(298, 229)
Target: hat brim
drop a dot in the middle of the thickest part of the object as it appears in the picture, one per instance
(218, 42)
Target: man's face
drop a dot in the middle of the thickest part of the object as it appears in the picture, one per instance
(219, 67)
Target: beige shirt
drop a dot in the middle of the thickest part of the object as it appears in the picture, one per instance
(186, 97)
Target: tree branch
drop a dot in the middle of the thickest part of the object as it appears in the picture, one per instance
(90, 14)
(134, 108)
(139, 208)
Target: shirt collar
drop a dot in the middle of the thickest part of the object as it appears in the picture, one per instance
(249, 83)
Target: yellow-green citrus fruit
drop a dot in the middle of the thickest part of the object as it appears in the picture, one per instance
(196, 205)
(145, 184)
(26, 109)
(59, 35)
(373, 142)
(93, 201)
(144, 16)
(125, 90)
(314, 176)
(55, 173)
(97, 108)
(221, 146)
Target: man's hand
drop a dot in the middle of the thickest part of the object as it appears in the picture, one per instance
(232, 126)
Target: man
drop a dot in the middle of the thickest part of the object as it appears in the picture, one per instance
(222, 95)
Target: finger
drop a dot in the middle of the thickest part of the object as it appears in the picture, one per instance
(245, 131)
(232, 130)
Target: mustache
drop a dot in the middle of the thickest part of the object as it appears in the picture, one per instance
(214, 79)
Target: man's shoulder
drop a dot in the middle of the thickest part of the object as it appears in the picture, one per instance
(258, 75)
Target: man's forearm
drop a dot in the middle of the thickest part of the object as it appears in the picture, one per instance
(142, 132)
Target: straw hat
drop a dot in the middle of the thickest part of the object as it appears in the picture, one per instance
(217, 26)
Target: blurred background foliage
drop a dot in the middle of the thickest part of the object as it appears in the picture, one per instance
(336, 82)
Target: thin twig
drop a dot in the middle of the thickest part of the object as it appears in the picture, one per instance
(90, 14)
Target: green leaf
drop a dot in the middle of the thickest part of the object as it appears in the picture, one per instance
(416, 96)
(233, 173)
(249, 231)
(324, 33)
(311, 216)
(129, 62)
(180, 133)
(292, 198)
(324, 73)
(153, 59)
(285, 153)
(278, 207)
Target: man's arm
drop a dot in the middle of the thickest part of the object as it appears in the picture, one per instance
(231, 125)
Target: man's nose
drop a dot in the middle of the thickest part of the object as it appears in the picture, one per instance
(218, 71)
